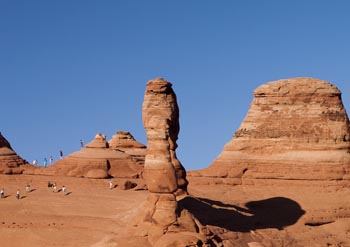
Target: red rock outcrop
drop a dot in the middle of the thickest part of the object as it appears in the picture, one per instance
(160, 114)
(10, 161)
(96, 160)
(295, 129)
(125, 142)
(164, 175)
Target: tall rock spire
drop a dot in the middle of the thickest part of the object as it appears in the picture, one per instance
(160, 114)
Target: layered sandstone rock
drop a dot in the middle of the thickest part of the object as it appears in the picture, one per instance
(125, 142)
(164, 175)
(295, 129)
(160, 114)
(10, 161)
(98, 142)
(96, 160)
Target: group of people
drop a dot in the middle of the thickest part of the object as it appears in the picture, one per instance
(54, 188)
(27, 189)
(35, 162)
(18, 192)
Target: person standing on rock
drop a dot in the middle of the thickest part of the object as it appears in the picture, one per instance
(110, 184)
(50, 160)
(81, 144)
(45, 162)
(61, 154)
(54, 187)
(64, 189)
(35, 162)
(18, 194)
(2, 193)
(27, 187)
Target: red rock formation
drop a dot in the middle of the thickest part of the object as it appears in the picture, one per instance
(160, 114)
(10, 161)
(295, 129)
(96, 161)
(125, 142)
(164, 175)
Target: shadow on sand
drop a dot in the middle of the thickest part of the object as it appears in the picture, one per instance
(276, 212)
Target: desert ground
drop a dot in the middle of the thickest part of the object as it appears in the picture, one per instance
(266, 213)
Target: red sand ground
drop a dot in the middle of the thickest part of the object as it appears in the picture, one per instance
(93, 215)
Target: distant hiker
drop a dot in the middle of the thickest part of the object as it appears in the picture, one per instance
(27, 187)
(50, 160)
(49, 184)
(61, 154)
(81, 144)
(64, 190)
(110, 184)
(2, 193)
(35, 162)
(45, 162)
(18, 195)
(54, 188)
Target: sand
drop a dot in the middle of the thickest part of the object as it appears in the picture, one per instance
(93, 215)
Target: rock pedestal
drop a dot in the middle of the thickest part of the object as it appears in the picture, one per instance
(295, 129)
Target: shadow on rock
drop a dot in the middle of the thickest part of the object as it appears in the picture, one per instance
(276, 212)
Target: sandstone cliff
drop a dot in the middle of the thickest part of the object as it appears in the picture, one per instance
(295, 129)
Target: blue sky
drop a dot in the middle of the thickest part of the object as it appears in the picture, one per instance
(70, 69)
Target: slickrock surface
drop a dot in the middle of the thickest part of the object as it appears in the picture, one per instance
(124, 141)
(10, 161)
(93, 215)
(96, 160)
(295, 129)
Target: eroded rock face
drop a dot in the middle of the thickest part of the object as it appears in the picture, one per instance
(10, 161)
(125, 142)
(295, 129)
(164, 175)
(98, 142)
(160, 114)
(96, 160)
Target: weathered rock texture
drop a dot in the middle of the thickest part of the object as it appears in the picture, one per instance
(96, 160)
(160, 114)
(164, 175)
(125, 142)
(295, 129)
(10, 161)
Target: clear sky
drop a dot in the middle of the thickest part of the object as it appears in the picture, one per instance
(70, 69)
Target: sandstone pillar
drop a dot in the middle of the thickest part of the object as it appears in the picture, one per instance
(163, 172)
